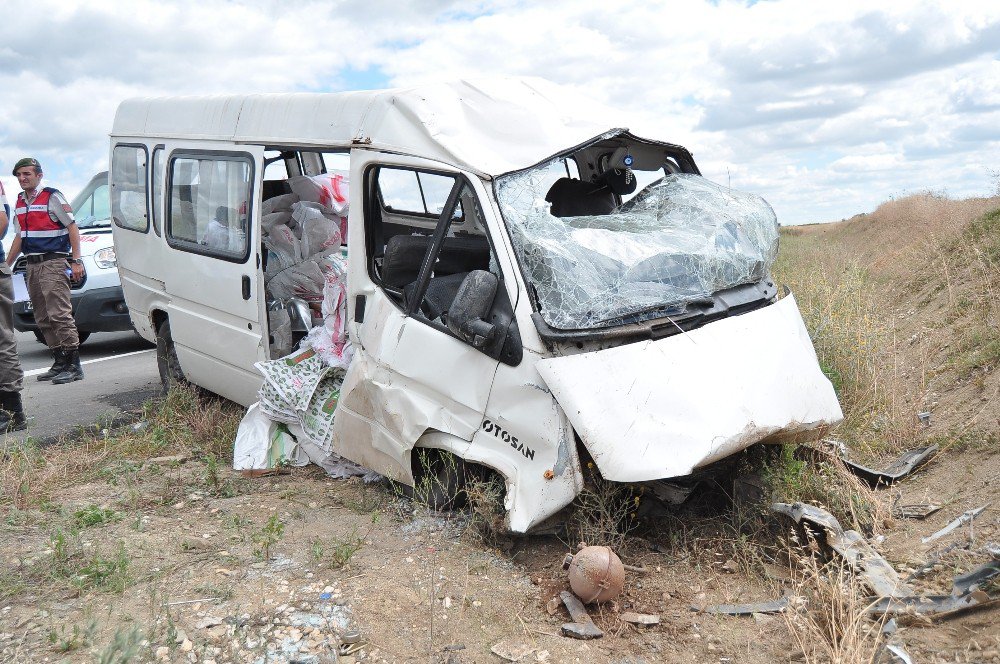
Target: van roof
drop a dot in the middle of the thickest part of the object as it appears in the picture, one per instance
(489, 126)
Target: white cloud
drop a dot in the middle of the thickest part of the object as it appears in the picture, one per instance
(824, 108)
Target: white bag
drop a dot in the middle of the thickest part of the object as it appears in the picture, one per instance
(280, 324)
(303, 279)
(262, 444)
(275, 203)
(320, 237)
(285, 249)
(269, 221)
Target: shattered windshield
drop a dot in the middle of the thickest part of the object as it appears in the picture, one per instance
(679, 240)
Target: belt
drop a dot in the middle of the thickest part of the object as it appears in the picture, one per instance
(41, 258)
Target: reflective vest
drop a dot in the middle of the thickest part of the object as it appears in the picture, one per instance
(40, 233)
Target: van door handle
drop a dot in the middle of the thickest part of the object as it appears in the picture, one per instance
(246, 287)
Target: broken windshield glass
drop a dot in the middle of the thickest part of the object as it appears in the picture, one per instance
(679, 240)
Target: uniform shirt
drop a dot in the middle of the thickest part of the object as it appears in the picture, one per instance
(59, 210)
(6, 210)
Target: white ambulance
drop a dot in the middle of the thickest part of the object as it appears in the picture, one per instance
(526, 288)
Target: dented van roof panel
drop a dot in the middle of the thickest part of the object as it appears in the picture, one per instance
(490, 126)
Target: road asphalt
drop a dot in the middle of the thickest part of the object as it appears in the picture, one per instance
(119, 375)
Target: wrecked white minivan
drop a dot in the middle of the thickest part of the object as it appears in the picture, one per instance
(524, 289)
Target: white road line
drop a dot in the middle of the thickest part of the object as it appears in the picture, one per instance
(35, 372)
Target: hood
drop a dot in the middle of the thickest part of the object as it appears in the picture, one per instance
(658, 409)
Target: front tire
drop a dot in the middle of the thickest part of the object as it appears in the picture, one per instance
(167, 362)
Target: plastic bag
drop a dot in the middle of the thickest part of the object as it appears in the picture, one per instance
(320, 235)
(280, 326)
(285, 249)
(269, 221)
(262, 444)
(275, 203)
(328, 189)
(302, 279)
(330, 339)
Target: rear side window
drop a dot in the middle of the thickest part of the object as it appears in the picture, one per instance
(208, 206)
(129, 200)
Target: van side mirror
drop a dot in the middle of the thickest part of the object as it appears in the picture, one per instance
(471, 304)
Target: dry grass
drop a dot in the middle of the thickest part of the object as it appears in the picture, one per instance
(828, 617)
(182, 424)
(900, 303)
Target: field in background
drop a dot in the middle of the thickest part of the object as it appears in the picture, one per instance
(902, 307)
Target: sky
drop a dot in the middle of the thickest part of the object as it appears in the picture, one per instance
(824, 109)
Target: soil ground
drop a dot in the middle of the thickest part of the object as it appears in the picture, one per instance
(418, 586)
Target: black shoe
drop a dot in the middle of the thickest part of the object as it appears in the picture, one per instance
(58, 366)
(11, 412)
(72, 369)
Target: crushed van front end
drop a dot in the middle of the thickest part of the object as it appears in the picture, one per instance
(665, 408)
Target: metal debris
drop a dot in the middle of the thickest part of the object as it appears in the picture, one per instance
(775, 606)
(965, 518)
(917, 511)
(975, 579)
(902, 466)
(582, 626)
(937, 606)
(876, 571)
(898, 654)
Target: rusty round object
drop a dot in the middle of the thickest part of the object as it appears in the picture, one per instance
(548, 474)
(596, 574)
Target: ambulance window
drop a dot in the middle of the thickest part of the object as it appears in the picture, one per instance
(208, 206)
(129, 201)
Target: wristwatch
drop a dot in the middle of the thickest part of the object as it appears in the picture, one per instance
(78, 261)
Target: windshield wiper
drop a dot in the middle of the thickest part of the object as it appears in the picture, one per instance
(668, 311)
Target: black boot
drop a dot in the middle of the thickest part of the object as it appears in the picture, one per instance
(11, 412)
(72, 369)
(57, 365)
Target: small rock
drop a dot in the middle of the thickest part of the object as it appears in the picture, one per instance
(512, 651)
(163, 653)
(186, 645)
(640, 619)
(208, 621)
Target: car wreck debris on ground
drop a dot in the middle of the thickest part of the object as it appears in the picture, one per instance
(966, 517)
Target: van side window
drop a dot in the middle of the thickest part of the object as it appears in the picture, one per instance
(129, 200)
(209, 205)
(413, 192)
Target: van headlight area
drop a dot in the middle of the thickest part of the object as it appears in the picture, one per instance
(106, 258)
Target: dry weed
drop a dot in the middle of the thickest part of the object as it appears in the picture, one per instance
(828, 619)
(181, 424)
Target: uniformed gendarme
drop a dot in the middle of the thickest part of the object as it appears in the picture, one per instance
(50, 240)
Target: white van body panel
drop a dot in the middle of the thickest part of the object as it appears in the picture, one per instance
(664, 408)
(407, 377)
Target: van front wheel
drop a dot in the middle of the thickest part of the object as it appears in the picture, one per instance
(166, 358)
